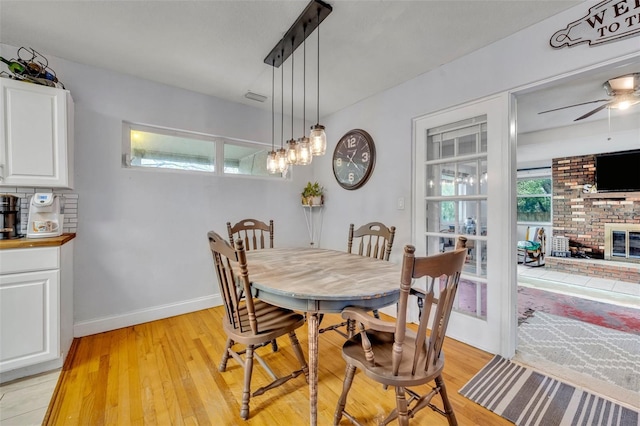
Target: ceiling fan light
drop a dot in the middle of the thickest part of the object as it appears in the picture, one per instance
(625, 103)
(624, 84)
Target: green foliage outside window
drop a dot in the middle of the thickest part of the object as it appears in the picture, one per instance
(534, 200)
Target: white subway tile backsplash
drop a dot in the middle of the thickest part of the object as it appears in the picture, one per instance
(69, 206)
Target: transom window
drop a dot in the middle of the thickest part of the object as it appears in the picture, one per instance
(160, 148)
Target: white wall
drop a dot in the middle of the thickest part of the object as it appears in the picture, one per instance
(521, 59)
(141, 250)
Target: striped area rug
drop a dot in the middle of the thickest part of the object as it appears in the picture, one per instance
(528, 398)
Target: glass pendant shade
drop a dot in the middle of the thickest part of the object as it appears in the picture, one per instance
(281, 158)
(318, 140)
(272, 162)
(292, 152)
(304, 151)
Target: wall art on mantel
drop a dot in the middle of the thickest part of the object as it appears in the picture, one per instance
(609, 20)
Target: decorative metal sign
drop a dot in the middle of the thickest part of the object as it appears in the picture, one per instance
(607, 21)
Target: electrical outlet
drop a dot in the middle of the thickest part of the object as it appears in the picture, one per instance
(401, 203)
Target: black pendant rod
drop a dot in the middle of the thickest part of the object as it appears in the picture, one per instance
(309, 20)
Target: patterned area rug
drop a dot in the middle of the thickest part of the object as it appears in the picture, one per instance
(601, 359)
(528, 398)
(531, 300)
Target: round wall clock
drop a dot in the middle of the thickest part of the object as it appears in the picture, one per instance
(354, 159)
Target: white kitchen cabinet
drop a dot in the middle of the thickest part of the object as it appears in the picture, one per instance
(36, 309)
(36, 135)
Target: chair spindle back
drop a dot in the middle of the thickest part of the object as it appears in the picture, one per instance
(225, 257)
(375, 240)
(252, 232)
(442, 270)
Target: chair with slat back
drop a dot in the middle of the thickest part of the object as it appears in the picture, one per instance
(252, 232)
(393, 354)
(249, 322)
(375, 240)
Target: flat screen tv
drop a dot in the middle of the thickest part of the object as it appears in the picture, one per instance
(619, 171)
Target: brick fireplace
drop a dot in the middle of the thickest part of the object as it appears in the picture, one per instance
(581, 216)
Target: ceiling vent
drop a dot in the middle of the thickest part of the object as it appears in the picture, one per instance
(255, 96)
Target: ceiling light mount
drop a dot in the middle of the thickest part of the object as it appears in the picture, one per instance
(309, 20)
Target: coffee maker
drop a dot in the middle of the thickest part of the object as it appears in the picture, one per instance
(45, 219)
(9, 217)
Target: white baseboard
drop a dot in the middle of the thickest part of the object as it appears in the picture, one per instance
(100, 325)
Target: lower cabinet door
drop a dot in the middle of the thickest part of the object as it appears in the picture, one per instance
(29, 316)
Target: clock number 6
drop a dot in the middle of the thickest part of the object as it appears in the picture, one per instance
(351, 177)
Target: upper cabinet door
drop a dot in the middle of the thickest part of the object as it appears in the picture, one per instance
(36, 136)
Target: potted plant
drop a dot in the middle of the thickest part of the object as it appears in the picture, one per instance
(313, 194)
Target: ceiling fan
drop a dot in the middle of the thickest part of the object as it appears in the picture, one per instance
(624, 92)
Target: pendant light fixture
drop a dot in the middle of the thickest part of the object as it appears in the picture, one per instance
(281, 155)
(272, 162)
(292, 152)
(304, 149)
(318, 136)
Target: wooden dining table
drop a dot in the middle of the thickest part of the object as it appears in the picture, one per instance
(318, 281)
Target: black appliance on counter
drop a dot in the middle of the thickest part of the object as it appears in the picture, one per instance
(9, 217)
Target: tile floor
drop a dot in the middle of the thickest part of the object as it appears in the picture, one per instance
(594, 288)
(25, 402)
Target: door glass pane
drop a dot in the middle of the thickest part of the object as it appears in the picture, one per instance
(467, 144)
(458, 204)
(471, 298)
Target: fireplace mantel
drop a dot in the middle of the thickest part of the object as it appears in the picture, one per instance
(604, 195)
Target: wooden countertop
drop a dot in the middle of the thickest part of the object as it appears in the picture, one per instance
(36, 242)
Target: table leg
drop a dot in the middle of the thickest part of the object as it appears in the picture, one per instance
(312, 320)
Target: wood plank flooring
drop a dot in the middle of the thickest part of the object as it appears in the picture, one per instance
(166, 372)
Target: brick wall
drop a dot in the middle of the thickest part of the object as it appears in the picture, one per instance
(583, 219)
(627, 272)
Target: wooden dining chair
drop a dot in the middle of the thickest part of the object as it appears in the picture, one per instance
(252, 232)
(375, 240)
(392, 354)
(249, 322)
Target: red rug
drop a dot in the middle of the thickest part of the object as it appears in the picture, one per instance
(603, 314)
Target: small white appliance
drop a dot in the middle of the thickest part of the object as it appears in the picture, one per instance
(45, 219)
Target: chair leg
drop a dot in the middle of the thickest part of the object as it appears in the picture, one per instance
(246, 392)
(225, 356)
(274, 345)
(401, 404)
(297, 350)
(342, 401)
(448, 409)
(376, 314)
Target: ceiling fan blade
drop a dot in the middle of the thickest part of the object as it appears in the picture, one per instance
(574, 105)
(590, 113)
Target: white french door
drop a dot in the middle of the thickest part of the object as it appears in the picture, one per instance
(464, 181)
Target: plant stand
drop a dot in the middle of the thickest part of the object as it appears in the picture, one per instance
(313, 216)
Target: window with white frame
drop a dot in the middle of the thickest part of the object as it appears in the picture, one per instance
(534, 192)
(159, 148)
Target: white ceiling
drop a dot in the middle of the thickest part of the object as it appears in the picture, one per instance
(218, 47)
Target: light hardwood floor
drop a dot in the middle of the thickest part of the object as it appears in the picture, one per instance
(166, 372)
